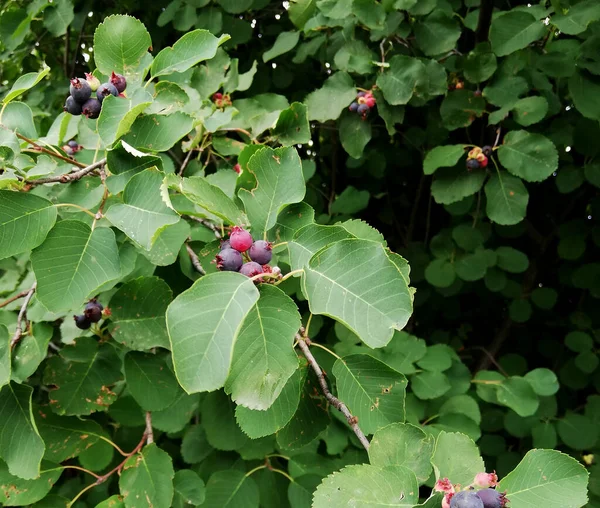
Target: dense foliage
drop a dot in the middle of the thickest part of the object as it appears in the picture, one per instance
(426, 174)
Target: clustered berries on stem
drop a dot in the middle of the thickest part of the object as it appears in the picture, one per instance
(485, 497)
(80, 100)
(221, 100)
(478, 157)
(363, 104)
(92, 313)
(72, 147)
(241, 253)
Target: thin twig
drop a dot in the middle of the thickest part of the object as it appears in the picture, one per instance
(205, 223)
(498, 131)
(195, 260)
(46, 151)
(22, 316)
(185, 162)
(13, 298)
(149, 433)
(334, 401)
(69, 177)
(99, 213)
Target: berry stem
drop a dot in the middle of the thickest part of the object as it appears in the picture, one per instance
(81, 208)
(288, 275)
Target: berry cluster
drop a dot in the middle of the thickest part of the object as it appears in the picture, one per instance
(243, 254)
(80, 100)
(363, 104)
(72, 147)
(478, 157)
(92, 313)
(220, 100)
(486, 497)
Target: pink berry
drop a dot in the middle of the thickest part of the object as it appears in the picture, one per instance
(251, 269)
(485, 480)
(240, 239)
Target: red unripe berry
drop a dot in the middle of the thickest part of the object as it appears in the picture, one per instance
(370, 101)
(217, 96)
(483, 162)
(486, 479)
(459, 85)
(237, 168)
(240, 239)
(251, 269)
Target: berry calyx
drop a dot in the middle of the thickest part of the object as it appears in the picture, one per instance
(229, 260)
(80, 90)
(72, 106)
(466, 499)
(119, 82)
(91, 108)
(93, 311)
(82, 322)
(492, 498)
(251, 269)
(105, 90)
(472, 164)
(260, 252)
(447, 499)
(240, 239)
(484, 480)
(93, 81)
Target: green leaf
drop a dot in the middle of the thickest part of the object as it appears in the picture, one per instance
(118, 114)
(25, 220)
(511, 260)
(350, 201)
(21, 446)
(231, 489)
(373, 304)
(177, 415)
(138, 313)
(577, 17)
(82, 376)
(292, 125)
(328, 102)
(286, 41)
(514, 30)
(584, 91)
(453, 184)
(543, 381)
(530, 110)
(58, 16)
(365, 485)
(30, 352)
(517, 394)
(219, 423)
(402, 444)
(123, 162)
(279, 182)
(301, 11)
(189, 488)
(373, 391)
(19, 492)
(5, 364)
(202, 342)
(24, 83)
(460, 108)
(290, 220)
(69, 271)
(355, 133)
(532, 157)
(578, 431)
(120, 43)
(158, 133)
(369, 13)
(398, 82)
(480, 64)
(437, 33)
(507, 199)
(143, 213)
(311, 238)
(442, 157)
(147, 479)
(546, 478)
(456, 457)
(355, 56)
(429, 385)
(190, 49)
(263, 356)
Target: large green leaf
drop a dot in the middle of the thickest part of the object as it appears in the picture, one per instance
(399, 81)
(546, 478)
(286, 41)
(310, 239)
(147, 479)
(292, 125)
(507, 199)
(514, 30)
(373, 391)
(460, 108)
(189, 488)
(119, 113)
(143, 213)
(138, 313)
(5, 363)
(456, 457)
(19, 492)
(158, 133)
(263, 357)
(24, 83)
(442, 157)
(453, 184)
(203, 324)
(25, 220)
(72, 263)
(31, 351)
(218, 420)
(123, 162)
(231, 489)
(81, 377)
(279, 182)
(355, 133)
(517, 393)
(120, 43)
(577, 17)
(437, 33)
(58, 16)
(328, 102)
(532, 157)
(192, 48)
(585, 92)
(21, 446)
(354, 282)
(365, 485)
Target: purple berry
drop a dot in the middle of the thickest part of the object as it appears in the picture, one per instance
(93, 81)
(73, 144)
(225, 244)
(251, 269)
(119, 82)
(466, 499)
(72, 106)
(229, 260)
(472, 164)
(363, 110)
(80, 90)
(82, 322)
(93, 311)
(260, 252)
(105, 90)
(491, 498)
(487, 150)
(361, 94)
(353, 107)
(91, 108)
(240, 239)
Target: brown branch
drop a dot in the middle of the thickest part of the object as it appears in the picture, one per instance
(49, 152)
(149, 433)
(13, 298)
(303, 343)
(69, 177)
(195, 260)
(205, 223)
(485, 20)
(22, 316)
(185, 162)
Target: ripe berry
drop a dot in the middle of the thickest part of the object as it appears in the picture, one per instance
(93, 311)
(93, 81)
(229, 260)
(361, 94)
(225, 244)
(251, 269)
(363, 110)
(72, 106)
(105, 90)
(492, 498)
(466, 499)
(80, 90)
(472, 164)
(260, 252)
(119, 81)
(91, 108)
(353, 107)
(240, 239)
(487, 150)
(73, 144)
(82, 322)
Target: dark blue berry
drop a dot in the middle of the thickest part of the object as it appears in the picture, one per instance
(466, 499)
(361, 94)
(72, 106)
(91, 108)
(105, 90)
(225, 244)
(362, 110)
(251, 269)
(93, 311)
(487, 150)
(472, 164)
(491, 498)
(353, 107)
(73, 144)
(229, 260)
(260, 252)
(119, 82)
(82, 322)
(80, 90)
